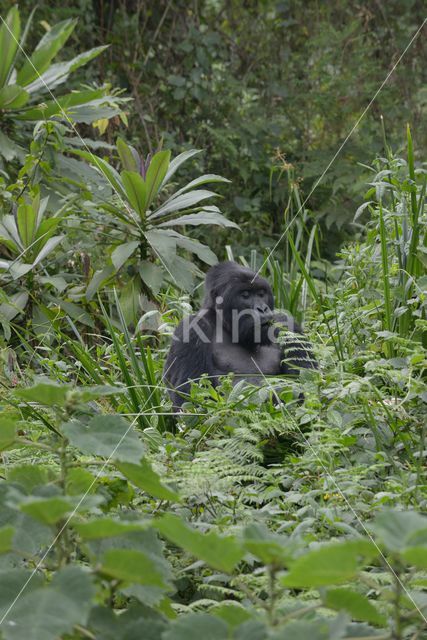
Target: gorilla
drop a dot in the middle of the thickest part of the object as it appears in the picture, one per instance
(236, 331)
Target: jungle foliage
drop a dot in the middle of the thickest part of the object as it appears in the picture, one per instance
(292, 510)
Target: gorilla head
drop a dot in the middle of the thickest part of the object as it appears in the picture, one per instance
(243, 302)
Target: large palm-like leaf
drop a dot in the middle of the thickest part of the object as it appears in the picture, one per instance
(149, 213)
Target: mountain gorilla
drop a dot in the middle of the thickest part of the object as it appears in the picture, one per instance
(235, 331)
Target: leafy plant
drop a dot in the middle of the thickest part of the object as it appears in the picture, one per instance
(147, 214)
(26, 79)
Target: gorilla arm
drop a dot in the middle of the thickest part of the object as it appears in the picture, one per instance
(190, 355)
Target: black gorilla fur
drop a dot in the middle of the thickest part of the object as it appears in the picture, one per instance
(234, 331)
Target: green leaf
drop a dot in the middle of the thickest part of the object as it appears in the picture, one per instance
(11, 583)
(51, 108)
(220, 552)
(80, 481)
(107, 528)
(268, 547)
(331, 564)
(416, 556)
(6, 538)
(143, 476)
(184, 201)
(47, 510)
(9, 38)
(202, 217)
(49, 613)
(201, 250)
(13, 96)
(308, 630)
(232, 613)
(29, 476)
(196, 626)
(75, 311)
(177, 162)
(109, 436)
(198, 182)
(47, 393)
(59, 72)
(127, 158)
(135, 191)
(152, 275)
(155, 174)
(99, 279)
(7, 432)
(47, 248)
(46, 50)
(27, 221)
(110, 174)
(123, 252)
(132, 566)
(356, 604)
(8, 149)
(399, 529)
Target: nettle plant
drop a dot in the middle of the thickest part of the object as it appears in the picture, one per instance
(146, 214)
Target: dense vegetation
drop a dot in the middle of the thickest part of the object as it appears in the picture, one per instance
(255, 514)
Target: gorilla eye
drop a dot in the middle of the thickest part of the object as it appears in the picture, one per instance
(245, 294)
(261, 292)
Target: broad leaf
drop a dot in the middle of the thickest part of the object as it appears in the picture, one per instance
(184, 201)
(269, 548)
(47, 393)
(109, 436)
(400, 529)
(51, 510)
(220, 552)
(195, 626)
(331, 564)
(13, 96)
(9, 149)
(11, 583)
(55, 107)
(49, 613)
(132, 566)
(203, 217)
(16, 304)
(107, 528)
(155, 174)
(7, 432)
(143, 476)
(198, 182)
(59, 72)
(416, 556)
(50, 245)
(201, 250)
(152, 275)
(127, 158)
(123, 252)
(26, 220)
(99, 279)
(46, 50)
(9, 38)
(177, 162)
(356, 604)
(136, 191)
(6, 538)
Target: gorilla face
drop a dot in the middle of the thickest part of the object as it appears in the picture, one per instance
(245, 302)
(248, 313)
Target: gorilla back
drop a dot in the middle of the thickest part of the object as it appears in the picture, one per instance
(235, 331)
